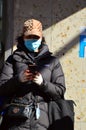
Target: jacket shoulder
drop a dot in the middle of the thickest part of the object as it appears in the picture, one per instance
(54, 60)
(10, 59)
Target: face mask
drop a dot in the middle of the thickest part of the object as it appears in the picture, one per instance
(32, 44)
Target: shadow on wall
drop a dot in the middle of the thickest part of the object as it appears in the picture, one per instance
(52, 12)
(67, 47)
(76, 40)
(48, 12)
(57, 10)
(63, 9)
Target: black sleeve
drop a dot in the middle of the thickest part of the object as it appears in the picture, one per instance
(8, 83)
(56, 87)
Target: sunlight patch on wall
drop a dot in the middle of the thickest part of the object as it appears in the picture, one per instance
(63, 32)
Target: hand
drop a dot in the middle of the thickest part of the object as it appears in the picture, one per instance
(38, 79)
(25, 76)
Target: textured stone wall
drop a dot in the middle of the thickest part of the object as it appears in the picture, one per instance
(62, 20)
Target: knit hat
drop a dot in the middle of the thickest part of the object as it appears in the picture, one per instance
(32, 27)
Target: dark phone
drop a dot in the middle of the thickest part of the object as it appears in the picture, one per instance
(33, 68)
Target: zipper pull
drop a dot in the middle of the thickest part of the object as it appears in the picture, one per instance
(37, 111)
(1, 117)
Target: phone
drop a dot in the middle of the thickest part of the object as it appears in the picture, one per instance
(33, 68)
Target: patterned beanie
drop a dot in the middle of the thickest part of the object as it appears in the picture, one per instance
(32, 27)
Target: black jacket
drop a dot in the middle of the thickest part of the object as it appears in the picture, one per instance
(53, 86)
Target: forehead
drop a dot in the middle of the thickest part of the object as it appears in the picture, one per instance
(31, 37)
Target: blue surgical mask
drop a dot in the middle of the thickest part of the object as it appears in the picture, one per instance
(32, 44)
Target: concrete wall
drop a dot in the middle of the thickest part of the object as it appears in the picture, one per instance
(62, 20)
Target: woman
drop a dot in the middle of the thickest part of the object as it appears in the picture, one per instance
(31, 74)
